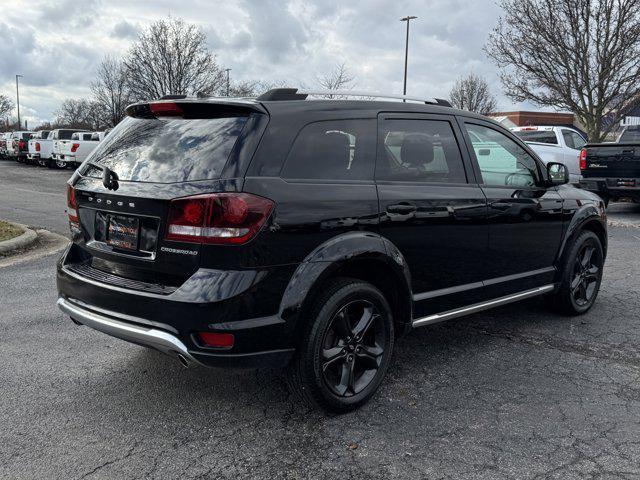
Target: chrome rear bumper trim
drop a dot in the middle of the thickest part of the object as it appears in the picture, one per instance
(150, 337)
(478, 307)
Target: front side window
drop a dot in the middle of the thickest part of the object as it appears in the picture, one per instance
(333, 150)
(501, 160)
(420, 151)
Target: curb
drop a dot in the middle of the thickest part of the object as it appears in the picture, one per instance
(21, 241)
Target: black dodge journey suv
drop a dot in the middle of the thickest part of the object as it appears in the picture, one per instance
(287, 231)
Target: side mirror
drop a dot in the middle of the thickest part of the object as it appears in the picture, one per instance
(558, 173)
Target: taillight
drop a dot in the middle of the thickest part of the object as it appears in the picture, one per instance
(166, 109)
(37, 146)
(583, 159)
(218, 218)
(74, 147)
(216, 340)
(72, 205)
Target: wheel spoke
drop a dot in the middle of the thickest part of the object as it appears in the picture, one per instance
(346, 378)
(364, 323)
(590, 290)
(342, 324)
(586, 257)
(331, 356)
(576, 283)
(369, 356)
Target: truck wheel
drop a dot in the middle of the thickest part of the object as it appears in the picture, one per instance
(346, 347)
(61, 164)
(581, 275)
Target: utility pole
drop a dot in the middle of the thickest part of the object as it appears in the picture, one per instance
(18, 100)
(227, 70)
(406, 51)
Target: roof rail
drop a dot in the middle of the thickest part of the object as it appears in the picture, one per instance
(279, 94)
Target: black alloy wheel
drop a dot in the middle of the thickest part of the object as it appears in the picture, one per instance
(353, 348)
(586, 275)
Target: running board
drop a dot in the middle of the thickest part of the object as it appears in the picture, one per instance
(478, 307)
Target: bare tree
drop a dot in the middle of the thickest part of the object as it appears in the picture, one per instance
(338, 79)
(110, 91)
(579, 55)
(472, 93)
(6, 105)
(171, 57)
(82, 113)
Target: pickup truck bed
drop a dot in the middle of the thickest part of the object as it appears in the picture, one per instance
(612, 170)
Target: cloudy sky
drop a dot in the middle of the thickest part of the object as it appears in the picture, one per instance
(57, 44)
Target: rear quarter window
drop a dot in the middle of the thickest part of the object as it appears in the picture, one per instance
(333, 150)
(168, 150)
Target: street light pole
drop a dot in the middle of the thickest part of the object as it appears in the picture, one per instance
(18, 100)
(406, 51)
(227, 70)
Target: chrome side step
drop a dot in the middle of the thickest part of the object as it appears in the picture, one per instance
(478, 307)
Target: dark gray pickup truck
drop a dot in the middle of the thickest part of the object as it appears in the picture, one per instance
(612, 170)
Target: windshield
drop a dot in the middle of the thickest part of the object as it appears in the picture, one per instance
(65, 134)
(539, 136)
(167, 150)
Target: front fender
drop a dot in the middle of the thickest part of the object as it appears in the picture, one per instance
(334, 254)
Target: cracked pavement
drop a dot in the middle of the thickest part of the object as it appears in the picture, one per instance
(514, 393)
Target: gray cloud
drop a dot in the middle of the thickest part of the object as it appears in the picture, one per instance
(60, 46)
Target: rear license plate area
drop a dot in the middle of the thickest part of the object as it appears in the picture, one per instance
(122, 232)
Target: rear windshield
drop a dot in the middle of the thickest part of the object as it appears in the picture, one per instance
(537, 136)
(630, 136)
(167, 150)
(65, 134)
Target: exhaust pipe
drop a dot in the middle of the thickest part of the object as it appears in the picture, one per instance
(183, 360)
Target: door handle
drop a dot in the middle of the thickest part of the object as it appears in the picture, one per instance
(402, 208)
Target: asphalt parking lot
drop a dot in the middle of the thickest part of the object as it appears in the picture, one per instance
(513, 393)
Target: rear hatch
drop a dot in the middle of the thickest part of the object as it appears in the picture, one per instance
(611, 160)
(121, 199)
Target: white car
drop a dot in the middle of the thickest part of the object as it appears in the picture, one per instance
(555, 144)
(60, 139)
(78, 148)
(38, 154)
(4, 138)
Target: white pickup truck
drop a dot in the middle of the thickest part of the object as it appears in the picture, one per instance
(76, 150)
(555, 144)
(62, 146)
(37, 154)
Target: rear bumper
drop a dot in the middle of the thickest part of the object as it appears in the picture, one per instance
(169, 322)
(165, 342)
(612, 187)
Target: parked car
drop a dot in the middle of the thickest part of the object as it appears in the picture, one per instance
(282, 231)
(612, 170)
(60, 138)
(36, 153)
(17, 147)
(78, 148)
(555, 144)
(4, 137)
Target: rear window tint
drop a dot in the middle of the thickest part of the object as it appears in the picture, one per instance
(537, 136)
(65, 134)
(168, 150)
(333, 150)
(630, 136)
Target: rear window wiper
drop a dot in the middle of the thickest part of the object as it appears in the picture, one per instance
(109, 177)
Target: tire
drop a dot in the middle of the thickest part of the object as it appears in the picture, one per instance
(334, 373)
(581, 275)
(60, 164)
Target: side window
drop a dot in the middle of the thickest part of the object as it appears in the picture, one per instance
(576, 142)
(333, 150)
(419, 151)
(502, 161)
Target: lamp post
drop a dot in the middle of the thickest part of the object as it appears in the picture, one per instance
(18, 100)
(227, 70)
(406, 51)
